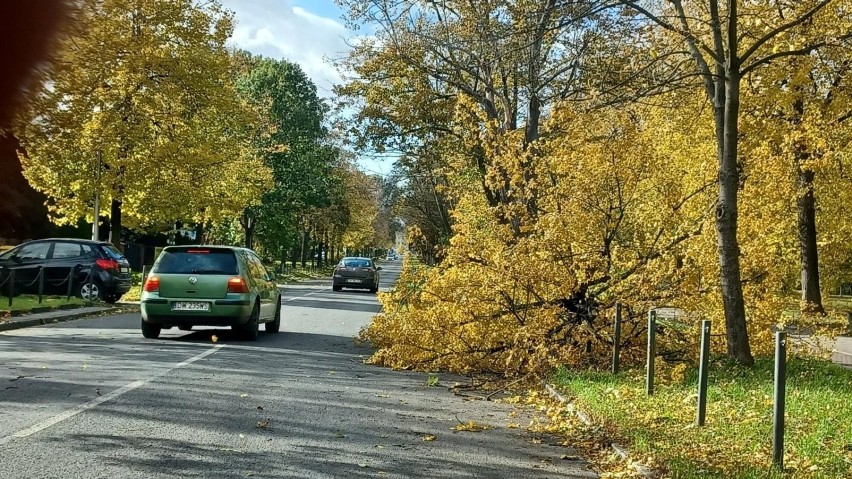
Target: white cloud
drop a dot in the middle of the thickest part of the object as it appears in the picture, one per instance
(280, 29)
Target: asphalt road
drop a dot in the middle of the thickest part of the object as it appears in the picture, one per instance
(93, 399)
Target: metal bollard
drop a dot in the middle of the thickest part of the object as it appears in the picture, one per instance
(652, 351)
(90, 279)
(702, 372)
(40, 284)
(780, 399)
(70, 284)
(11, 286)
(616, 343)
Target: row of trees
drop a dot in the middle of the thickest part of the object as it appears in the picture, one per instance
(145, 109)
(576, 153)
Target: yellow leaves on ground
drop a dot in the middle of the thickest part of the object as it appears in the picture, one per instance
(471, 426)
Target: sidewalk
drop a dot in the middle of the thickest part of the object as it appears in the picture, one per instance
(58, 316)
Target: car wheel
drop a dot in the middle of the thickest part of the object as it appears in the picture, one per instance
(336, 288)
(374, 289)
(248, 331)
(91, 291)
(150, 331)
(274, 325)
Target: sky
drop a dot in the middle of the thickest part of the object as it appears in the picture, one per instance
(308, 32)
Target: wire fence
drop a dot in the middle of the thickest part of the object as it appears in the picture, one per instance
(15, 284)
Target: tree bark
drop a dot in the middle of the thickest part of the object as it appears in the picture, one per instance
(726, 108)
(199, 233)
(811, 296)
(115, 223)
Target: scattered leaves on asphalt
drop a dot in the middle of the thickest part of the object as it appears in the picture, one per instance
(569, 457)
(214, 338)
(382, 396)
(263, 424)
(428, 437)
(471, 426)
(244, 395)
(339, 435)
(433, 381)
(260, 408)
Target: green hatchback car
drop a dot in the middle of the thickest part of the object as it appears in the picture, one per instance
(210, 286)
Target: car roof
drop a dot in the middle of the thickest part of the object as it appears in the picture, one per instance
(69, 240)
(356, 257)
(217, 246)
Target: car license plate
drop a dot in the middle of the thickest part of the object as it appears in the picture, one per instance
(190, 306)
(353, 280)
(125, 270)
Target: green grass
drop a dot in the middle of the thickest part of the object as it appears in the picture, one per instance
(737, 440)
(26, 302)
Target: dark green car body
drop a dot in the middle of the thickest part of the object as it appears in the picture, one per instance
(210, 286)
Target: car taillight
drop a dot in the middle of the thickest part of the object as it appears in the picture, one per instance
(107, 264)
(237, 285)
(152, 284)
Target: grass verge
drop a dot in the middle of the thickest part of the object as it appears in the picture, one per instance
(26, 302)
(737, 440)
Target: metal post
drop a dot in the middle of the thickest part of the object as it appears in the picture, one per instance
(90, 280)
(702, 372)
(144, 276)
(616, 342)
(40, 284)
(780, 399)
(11, 285)
(652, 350)
(70, 283)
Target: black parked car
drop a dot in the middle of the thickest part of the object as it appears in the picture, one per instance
(359, 273)
(64, 259)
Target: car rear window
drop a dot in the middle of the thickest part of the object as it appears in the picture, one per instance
(112, 252)
(196, 261)
(357, 263)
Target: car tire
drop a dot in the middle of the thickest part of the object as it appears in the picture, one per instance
(248, 331)
(150, 331)
(336, 288)
(374, 289)
(185, 328)
(275, 325)
(91, 291)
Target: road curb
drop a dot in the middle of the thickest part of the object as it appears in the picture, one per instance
(24, 322)
(620, 450)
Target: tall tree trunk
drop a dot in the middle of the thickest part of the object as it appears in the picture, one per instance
(115, 223)
(199, 233)
(726, 108)
(304, 248)
(806, 209)
(811, 296)
(248, 223)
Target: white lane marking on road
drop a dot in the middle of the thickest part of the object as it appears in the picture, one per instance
(102, 399)
(305, 295)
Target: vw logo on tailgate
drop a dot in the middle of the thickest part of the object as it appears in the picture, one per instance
(193, 280)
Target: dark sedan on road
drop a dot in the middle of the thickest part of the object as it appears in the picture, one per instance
(59, 262)
(360, 273)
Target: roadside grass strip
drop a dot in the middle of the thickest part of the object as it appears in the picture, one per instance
(737, 441)
(27, 302)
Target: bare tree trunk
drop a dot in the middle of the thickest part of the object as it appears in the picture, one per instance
(115, 223)
(727, 107)
(811, 296)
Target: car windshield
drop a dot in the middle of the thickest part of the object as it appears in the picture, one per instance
(196, 261)
(356, 263)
